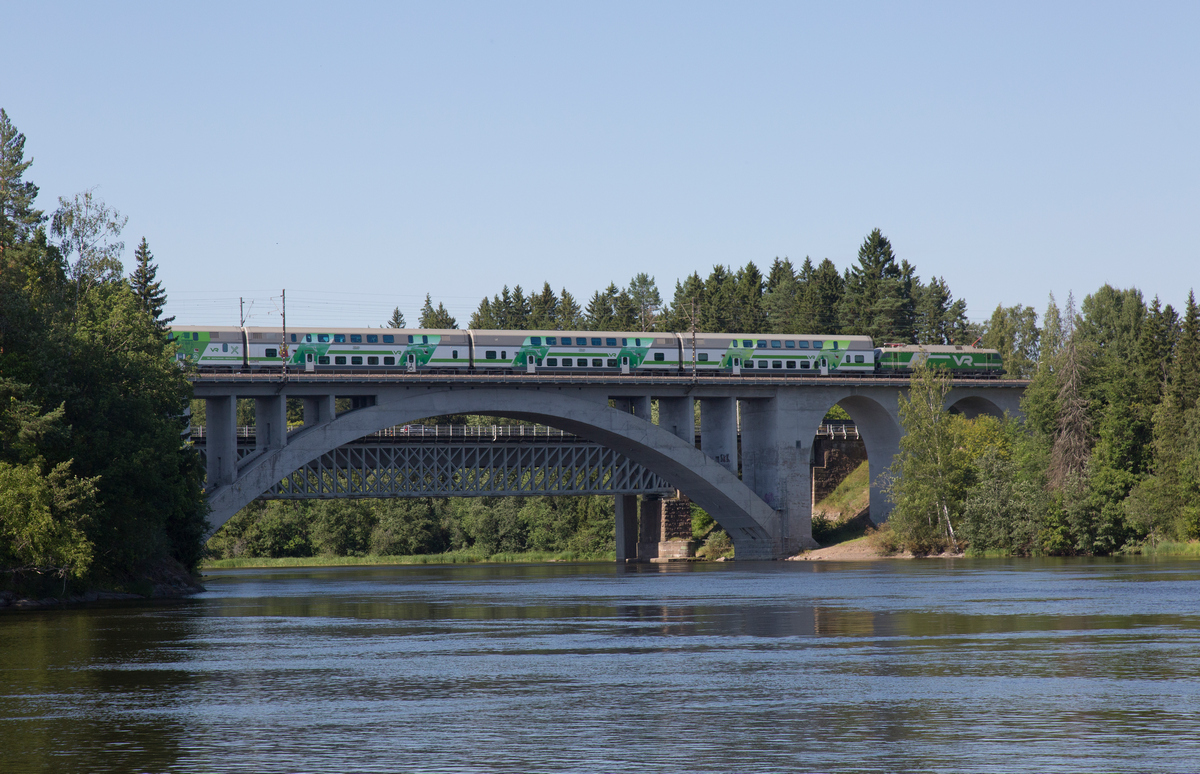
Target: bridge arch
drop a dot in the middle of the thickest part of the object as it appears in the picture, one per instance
(878, 425)
(750, 522)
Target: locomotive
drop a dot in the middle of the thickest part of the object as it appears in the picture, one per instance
(392, 350)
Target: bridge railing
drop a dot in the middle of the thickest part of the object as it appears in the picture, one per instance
(845, 431)
(448, 432)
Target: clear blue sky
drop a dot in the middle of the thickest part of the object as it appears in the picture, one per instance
(362, 155)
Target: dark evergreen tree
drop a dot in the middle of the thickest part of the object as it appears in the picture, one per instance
(643, 293)
(689, 294)
(748, 314)
(484, 318)
(149, 290)
(570, 316)
(19, 219)
(780, 297)
(601, 311)
(822, 302)
(717, 313)
(435, 319)
(877, 300)
(543, 309)
(397, 320)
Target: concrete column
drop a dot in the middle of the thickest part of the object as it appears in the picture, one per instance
(627, 527)
(270, 422)
(776, 437)
(641, 407)
(718, 430)
(879, 426)
(650, 529)
(678, 417)
(319, 409)
(622, 405)
(220, 444)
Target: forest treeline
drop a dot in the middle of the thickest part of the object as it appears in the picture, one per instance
(95, 486)
(1106, 458)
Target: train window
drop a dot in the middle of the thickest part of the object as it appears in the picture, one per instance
(858, 358)
(272, 353)
(256, 335)
(596, 341)
(389, 360)
(489, 355)
(224, 347)
(637, 342)
(535, 341)
(802, 344)
(424, 339)
(339, 338)
(610, 342)
(339, 360)
(356, 338)
(763, 364)
(372, 361)
(308, 338)
(660, 356)
(762, 343)
(804, 364)
(791, 364)
(702, 357)
(581, 362)
(504, 354)
(293, 338)
(566, 341)
(537, 361)
(624, 342)
(551, 361)
(746, 343)
(323, 360)
(775, 344)
(323, 338)
(356, 360)
(818, 344)
(552, 341)
(612, 363)
(454, 354)
(597, 363)
(834, 343)
(372, 338)
(410, 339)
(777, 364)
(389, 338)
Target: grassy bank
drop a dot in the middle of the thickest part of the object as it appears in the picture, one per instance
(1168, 548)
(451, 557)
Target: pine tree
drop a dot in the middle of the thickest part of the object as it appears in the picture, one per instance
(569, 314)
(397, 320)
(543, 309)
(748, 314)
(601, 314)
(820, 311)
(878, 293)
(780, 298)
(643, 292)
(717, 303)
(18, 218)
(678, 318)
(1073, 439)
(1185, 370)
(484, 318)
(148, 290)
(625, 312)
(435, 319)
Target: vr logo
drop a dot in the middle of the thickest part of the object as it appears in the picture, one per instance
(963, 360)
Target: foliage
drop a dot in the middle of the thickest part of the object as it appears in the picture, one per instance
(149, 290)
(435, 319)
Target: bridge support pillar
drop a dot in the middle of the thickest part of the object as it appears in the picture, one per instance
(221, 442)
(718, 431)
(319, 409)
(270, 422)
(641, 407)
(776, 433)
(879, 427)
(678, 417)
(627, 528)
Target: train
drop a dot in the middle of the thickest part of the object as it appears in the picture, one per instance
(393, 350)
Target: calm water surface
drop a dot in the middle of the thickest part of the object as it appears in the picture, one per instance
(988, 665)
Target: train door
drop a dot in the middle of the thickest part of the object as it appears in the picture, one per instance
(530, 365)
(737, 366)
(309, 365)
(410, 363)
(625, 364)
(824, 367)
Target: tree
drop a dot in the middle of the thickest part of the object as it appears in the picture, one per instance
(18, 217)
(877, 300)
(939, 319)
(780, 296)
(569, 314)
(397, 320)
(930, 474)
(148, 290)
(1073, 439)
(821, 300)
(543, 309)
(1013, 331)
(646, 300)
(748, 314)
(435, 319)
(600, 313)
(89, 231)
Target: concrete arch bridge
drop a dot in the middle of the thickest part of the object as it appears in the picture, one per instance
(766, 509)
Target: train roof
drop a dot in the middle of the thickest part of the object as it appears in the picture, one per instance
(933, 348)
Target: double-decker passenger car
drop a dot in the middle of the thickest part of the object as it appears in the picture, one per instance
(489, 351)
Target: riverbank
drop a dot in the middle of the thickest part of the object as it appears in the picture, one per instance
(451, 557)
(167, 580)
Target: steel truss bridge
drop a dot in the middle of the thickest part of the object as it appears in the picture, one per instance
(458, 461)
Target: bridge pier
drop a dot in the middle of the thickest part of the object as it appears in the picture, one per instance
(221, 443)
(678, 417)
(270, 422)
(317, 409)
(626, 507)
(718, 431)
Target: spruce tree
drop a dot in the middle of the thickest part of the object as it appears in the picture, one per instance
(543, 309)
(397, 320)
(646, 300)
(877, 294)
(822, 300)
(600, 313)
(435, 319)
(18, 217)
(1185, 371)
(569, 314)
(748, 314)
(148, 290)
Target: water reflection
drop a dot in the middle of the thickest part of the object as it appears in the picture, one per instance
(923, 666)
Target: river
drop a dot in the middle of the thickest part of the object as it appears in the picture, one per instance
(935, 665)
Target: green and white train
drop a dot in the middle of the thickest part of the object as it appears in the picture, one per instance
(390, 350)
